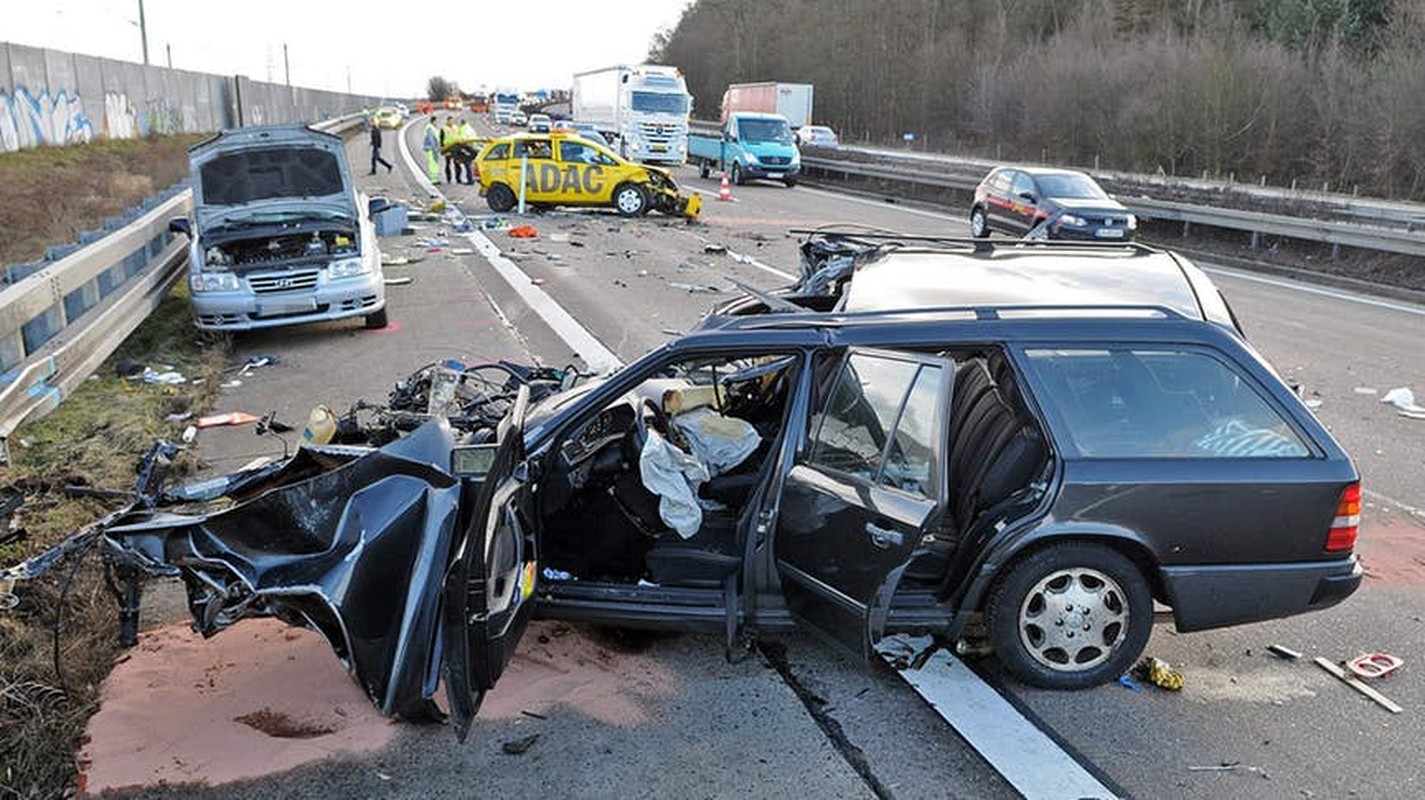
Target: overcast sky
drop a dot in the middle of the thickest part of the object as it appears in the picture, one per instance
(391, 52)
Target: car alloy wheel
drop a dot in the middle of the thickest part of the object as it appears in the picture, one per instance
(979, 226)
(1070, 616)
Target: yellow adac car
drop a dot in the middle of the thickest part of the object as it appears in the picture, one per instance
(387, 117)
(562, 169)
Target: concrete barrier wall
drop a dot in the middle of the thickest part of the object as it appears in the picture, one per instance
(50, 97)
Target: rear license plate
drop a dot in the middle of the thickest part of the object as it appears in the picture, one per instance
(660, 148)
(277, 306)
(1109, 233)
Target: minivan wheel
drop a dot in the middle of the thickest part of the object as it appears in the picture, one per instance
(500, 198)
(630, 199)
(979, 226)
(377, 321)
(1070, 616)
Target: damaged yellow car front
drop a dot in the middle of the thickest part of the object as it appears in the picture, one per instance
(563, 169)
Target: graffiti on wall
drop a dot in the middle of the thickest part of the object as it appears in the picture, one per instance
(125, 120)
(30, 120)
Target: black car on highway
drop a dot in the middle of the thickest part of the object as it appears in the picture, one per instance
(1047, 467)
(1037, 202)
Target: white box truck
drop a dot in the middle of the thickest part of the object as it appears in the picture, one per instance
(791, 100)
(643, 110)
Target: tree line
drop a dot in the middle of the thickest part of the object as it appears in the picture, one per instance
(1314, 92)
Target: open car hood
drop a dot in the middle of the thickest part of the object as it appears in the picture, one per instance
(255, 171)
(351, 541)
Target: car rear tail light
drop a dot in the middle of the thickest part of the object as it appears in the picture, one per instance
(1344, 527)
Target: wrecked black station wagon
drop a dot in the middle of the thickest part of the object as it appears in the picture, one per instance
(1050, 471)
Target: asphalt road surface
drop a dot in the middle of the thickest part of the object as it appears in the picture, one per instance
(797, 719)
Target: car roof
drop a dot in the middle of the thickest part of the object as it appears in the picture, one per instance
(1047, 171)
(1032, 275)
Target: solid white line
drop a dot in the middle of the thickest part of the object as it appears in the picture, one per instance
(1031, 761)
(1333, 294)
(863, 201)
(743, 258)
(597, 358)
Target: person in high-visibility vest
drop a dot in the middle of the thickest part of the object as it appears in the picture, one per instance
(431, 144)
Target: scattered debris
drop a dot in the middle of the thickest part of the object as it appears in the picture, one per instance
(183, 417)
(168, 377)
(462, 251)
(230, 418)
(575, 243)
(1226, 766)
(257, 362)
(1283, 652)
(1374, 665)
(1404, 401)
(432, 242)
(533, 714)
(537, 281)
(1355, 683)
(1365, 390)
(232, 384)
(516, 747)
(402, 281)
(383, 776)
(694, 287)
(127, 368)
(524, 232)
(715, 249)
(1157, 672)
(672, 331)
(1127, 682)
(399, 261)
(558, 237)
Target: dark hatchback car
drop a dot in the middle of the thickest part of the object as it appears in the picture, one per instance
(1048, 469)
(1048, 203)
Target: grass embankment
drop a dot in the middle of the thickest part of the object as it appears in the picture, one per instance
(94, 438)
(49, 194)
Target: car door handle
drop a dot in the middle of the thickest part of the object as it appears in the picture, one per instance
(884, 537)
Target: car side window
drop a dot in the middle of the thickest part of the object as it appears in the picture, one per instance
(1161, 403)
(878, 422)
(499, 152)
(533, 148)
(576, 153)
(1023, 184)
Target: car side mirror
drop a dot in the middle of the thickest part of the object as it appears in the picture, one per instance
(376, 205)
(1027, 196)
(180, 225)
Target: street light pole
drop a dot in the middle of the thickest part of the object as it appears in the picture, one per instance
(286, 65)
(143, 33)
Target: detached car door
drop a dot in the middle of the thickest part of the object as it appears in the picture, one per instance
(491, 577)
(865, 490)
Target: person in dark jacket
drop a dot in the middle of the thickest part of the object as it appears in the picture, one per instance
(376, 150)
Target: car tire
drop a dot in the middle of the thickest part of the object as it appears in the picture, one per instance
(630, 200)
(377, 320)
(1070, 616)
(737, 177)
(500, 198)
(790, 181)
(979, 223)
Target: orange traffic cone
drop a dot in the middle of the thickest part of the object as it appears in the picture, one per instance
(725, 191)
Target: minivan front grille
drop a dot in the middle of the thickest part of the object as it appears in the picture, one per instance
(283, 282)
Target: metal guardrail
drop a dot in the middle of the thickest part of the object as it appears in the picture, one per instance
(930, 171)
(60, 323)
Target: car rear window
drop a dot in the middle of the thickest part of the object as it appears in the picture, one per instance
(1161, 403)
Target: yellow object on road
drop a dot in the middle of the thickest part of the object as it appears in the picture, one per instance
(563, 169)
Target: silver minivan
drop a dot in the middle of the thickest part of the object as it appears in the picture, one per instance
(279, 234)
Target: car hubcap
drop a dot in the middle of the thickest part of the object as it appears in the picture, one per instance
(1073, 619)
(628, 201)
